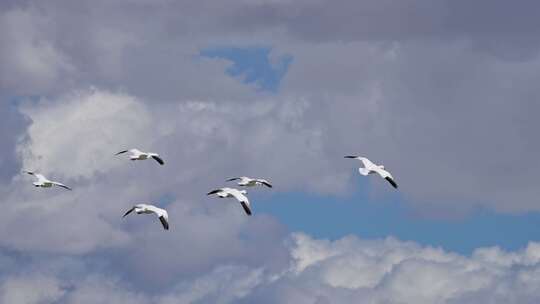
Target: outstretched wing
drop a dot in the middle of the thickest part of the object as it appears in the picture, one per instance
(213, 192)
(61, 185)
(392, 182)
(164, 222)
(387, 176)
(158, 159)
(246, 208)
(128, 212)
(243, 201)
(367, 163)
(40, 177)
(267, 184)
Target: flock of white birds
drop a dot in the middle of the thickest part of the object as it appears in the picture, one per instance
(240, 195)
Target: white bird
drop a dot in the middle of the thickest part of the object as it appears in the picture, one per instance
(43, 182)
(147, 209)
(237, 194)
(370, 168)
(135, 154)
(250, 182)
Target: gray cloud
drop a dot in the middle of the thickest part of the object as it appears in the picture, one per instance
(318, 271)
(12, 127)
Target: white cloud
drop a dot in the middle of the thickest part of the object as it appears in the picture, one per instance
(347, 270)
(390, 271)
(225, 284)
(78, 135)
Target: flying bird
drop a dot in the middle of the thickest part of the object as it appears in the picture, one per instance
(250, 182)
(135, 154)
(147, 209)
(43, 182)
(237, 194)
(370, 168)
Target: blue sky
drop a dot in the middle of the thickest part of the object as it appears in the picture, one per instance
(253, 65)
(334, 217)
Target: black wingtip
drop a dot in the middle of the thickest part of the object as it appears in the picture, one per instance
(246, 208)
(350, 156)
(392, 182)
(159, 160)
(267, 185)
(164, 223)
(128, 212)
(213, 192)
(231, 179)
(121, 152)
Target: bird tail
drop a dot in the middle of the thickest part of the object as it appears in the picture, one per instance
(363, 171)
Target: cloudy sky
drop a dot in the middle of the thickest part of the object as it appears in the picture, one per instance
(444, 93)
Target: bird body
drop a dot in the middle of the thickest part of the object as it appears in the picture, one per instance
(371, 168)
(149, 209)
(136, 154)
(44, 182)
(250, 182)
(237, 194)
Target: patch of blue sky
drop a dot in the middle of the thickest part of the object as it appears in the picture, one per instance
(334, 217)
(253, 65)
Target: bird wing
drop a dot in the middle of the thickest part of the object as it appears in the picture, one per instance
(136, 152)
(367, 163)
(214, 191)
(233, 179)
(162, 215)
(158, 211)
(61, 185)
(386, 175)
(158, 159)
(121, 152)
(392, 182)
(40, 177)
(129, 211)
(265, 182)
(246, 208)
(242, 199)
(164, 222)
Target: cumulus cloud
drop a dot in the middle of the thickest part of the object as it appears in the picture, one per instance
(350, 270)
(76, 135)
(347, 270)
